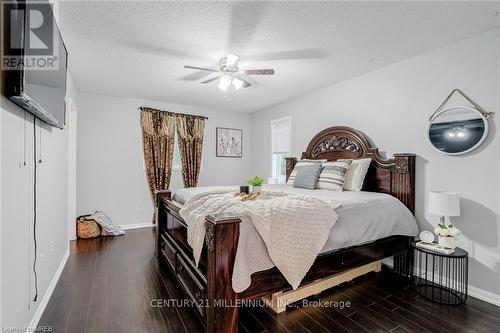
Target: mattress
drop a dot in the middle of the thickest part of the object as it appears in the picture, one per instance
(362, 217)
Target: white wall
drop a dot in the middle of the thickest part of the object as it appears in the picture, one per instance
(392, 105)
(111, 176)
(17, 282)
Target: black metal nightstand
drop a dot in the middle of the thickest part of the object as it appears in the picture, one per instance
(442, 278)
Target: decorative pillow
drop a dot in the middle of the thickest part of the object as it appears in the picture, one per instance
(333, 175)
(356, 174)
(307, 176)
(299, 164)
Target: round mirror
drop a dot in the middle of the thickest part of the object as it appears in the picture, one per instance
(457, 130)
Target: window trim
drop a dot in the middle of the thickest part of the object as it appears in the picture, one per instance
(176, 143)
(289, 118)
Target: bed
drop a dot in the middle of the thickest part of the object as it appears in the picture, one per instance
(217, 284)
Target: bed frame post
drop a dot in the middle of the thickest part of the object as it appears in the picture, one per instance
(290, 164)
(159, 195)
(222, 241)
(403, 186)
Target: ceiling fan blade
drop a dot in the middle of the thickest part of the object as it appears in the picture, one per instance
(210, 80)
(158, 50)
(202, 68)
(195, 76)
(245, 84)
(288, 55)
(258, 71)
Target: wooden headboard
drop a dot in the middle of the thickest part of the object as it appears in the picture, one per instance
(394, 176)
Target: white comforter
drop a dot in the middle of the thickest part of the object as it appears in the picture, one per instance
(362, 217)
(293, 227)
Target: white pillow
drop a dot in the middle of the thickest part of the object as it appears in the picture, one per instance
(332, 176)
(356, 174)
(300, 163)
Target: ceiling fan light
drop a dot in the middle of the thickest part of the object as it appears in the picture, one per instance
(237, 83)
(225, 80)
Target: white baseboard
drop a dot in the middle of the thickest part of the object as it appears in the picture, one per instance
(138, 226)
(484, 295)
(45, 299)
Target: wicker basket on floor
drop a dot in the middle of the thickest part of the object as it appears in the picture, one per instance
(87, 228)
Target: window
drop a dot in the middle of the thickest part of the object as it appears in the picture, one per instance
(176, 161)
(280, 137)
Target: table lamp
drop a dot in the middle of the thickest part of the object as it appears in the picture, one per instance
(444, 204)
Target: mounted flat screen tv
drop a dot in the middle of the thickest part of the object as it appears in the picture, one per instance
(36, 60)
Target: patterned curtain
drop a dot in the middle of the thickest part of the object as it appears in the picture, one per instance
(158, 139)
(190, 139)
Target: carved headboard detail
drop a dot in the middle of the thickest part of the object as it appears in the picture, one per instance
(336, 144)
(394, 176)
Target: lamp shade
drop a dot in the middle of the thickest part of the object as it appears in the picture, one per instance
(444, 203)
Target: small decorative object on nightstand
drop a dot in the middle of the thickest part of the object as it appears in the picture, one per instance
(445, 204)
(427, 237)
(439, 277)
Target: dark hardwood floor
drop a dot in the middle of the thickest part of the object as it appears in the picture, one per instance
(109, 285)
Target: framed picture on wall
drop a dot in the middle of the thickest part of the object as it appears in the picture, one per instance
(229, 142)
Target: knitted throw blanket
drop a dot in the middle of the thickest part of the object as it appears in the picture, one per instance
(294, 228)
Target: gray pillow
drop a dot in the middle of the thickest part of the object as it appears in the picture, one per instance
(307, 176)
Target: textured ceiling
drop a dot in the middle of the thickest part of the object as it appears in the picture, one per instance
(138, 49)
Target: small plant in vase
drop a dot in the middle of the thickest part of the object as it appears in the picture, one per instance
(447, 235)
(256, 183)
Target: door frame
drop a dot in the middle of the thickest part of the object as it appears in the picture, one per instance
(71, 125)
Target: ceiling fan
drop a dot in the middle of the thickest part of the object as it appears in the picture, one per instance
(229, 73)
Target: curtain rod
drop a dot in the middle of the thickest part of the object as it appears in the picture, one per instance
(173, 113)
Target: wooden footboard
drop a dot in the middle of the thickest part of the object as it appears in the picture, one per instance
(221, 242)
(208, 286)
